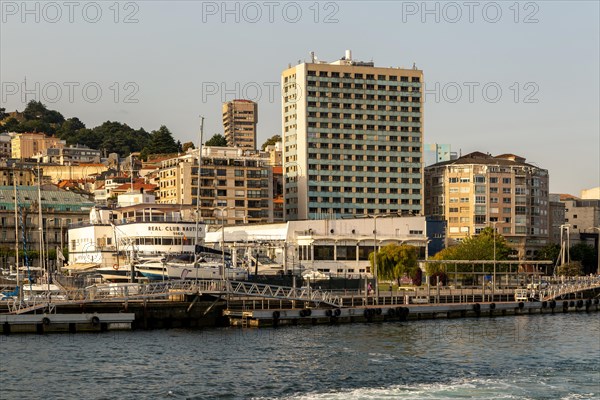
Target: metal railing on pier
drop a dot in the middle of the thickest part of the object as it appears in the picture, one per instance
(242, 291)
(132, 291)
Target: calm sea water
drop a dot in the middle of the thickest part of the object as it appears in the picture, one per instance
(525, 357)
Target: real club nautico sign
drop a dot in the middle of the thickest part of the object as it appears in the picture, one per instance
(159, 228)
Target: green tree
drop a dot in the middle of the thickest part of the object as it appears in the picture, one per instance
(69, 130)
(11, 125)
(3, 113)
(573, 268)
(271, 141)
(217, 140)
(161, 142)
(186, 146)
(548, 252)
(35, 125)
(478, 247)
(586, 255)
(393, 262)
(35, 110)
(115, 137)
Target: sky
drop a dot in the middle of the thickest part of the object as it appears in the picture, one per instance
(500, 77)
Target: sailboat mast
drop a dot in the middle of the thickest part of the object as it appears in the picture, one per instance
(16, 232)
(41, 225)
(199, 176)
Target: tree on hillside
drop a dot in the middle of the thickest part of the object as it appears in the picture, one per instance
(35, 110)
(70, 130)
(393, 262)
(271, 141)
(116, 137)
(11, 125)
(3, 113)
(35, 125)
(217, 140)
(161, 142)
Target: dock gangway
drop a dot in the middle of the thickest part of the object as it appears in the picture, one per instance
(123, 293)
(570, 288)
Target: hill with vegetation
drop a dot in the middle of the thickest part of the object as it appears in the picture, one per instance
(109, 137)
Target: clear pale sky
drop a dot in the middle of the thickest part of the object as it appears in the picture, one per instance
(179, 60)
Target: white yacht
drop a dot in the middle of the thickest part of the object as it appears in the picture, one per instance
(185, 267)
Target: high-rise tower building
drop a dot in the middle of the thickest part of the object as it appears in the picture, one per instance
(239, 123)
(352, 137)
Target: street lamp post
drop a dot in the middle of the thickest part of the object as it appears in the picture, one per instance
(494, 276)
(375, 272)
(222, 209)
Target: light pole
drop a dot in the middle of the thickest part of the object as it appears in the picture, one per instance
(375, 216)
(222, 209)
(494, 276)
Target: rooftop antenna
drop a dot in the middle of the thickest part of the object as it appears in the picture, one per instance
(312, 57)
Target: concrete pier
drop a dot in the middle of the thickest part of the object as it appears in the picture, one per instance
(314, 316)
(71, 323)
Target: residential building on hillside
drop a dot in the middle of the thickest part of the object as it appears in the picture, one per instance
(239, 123)
(71, 155)
(275, 153)
(105, 188)
(56, 173)
(60, 208)
(236, 186)
(479, 190)
(24, 176)
(28, 145)
(352, 139)
(5, 146)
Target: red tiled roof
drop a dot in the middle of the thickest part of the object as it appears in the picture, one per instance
(136, 187)
(566, 196)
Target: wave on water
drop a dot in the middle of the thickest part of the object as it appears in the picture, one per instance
(475, 388)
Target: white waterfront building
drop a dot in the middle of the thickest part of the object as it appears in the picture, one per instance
(139, 227)
(332, 246)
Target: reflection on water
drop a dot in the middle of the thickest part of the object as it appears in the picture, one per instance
(537, 357)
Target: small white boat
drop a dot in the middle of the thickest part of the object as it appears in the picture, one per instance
(153, 270)
(117, 273)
